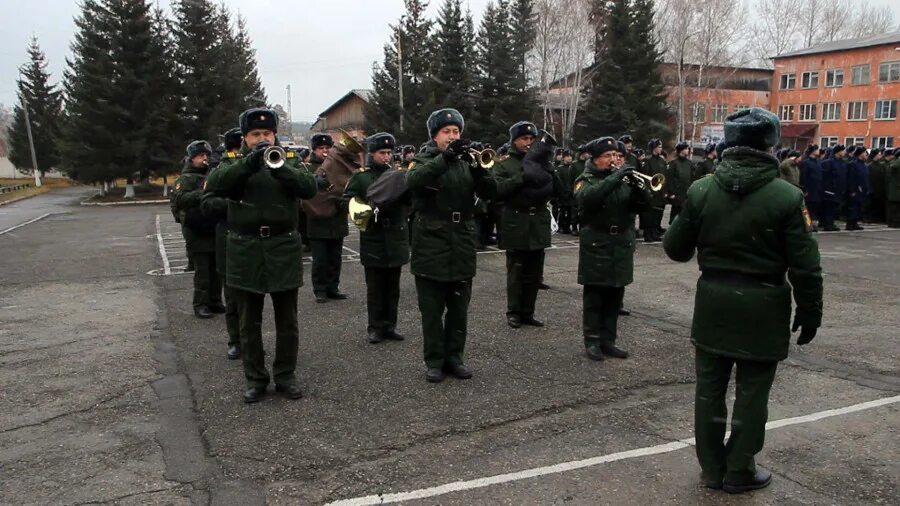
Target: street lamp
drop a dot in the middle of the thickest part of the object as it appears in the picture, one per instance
(34, 165)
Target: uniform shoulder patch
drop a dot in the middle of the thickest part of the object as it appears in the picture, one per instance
(411, 166)
(579, 185)
(362, 169)
(204, 185)
(231, 154)
(290, 154)
(177, 186)
(807, 219)
(504, 158)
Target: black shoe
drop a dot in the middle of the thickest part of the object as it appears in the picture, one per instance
(624, 312)
(393, 335)
(217, 308)
(594, 352)
(491, 242)
(234, 353)
(531, 320)
(291, 391)
(203, 312)
(254, 394)
(434, 375)
(514, 321)
(712, 483)
(830, 228)
(460, 371)
(321, 298)
(336, 295)
(306, 248)
(575, 233)
(375, 336)
(614, 351)
(543, 286)
(762, 479)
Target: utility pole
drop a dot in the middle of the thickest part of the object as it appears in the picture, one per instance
(34, 165)
(400, 73)
(290, 128)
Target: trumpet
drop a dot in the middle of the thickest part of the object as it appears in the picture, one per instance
(484, 158)
(655, 182)
(274, 157)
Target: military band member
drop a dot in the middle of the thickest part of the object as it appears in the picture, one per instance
(262, 248)
(651, 219)
(384, 244)
(217, 207)
(607, 205)
(708, 165)
(199, 231)
(679, 176)
(567, 172)
(525, 225)
(443, 188)
(631, 159)
(409, 152)
(326, 235)
(749, 228)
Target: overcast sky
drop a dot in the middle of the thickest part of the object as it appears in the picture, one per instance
(322, 48)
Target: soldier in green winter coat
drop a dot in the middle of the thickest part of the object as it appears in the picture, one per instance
(892, 193)
(217, 207)
(525, 222)
(608, 200)
(708, 165)
(631, 159)
(567, 172)
(326, 235)
(443, 186)
(384, 245)
(679, 176)
(789, 168)
(877, 188)
(199, 231)
(749, 228)
(651, 218)
(262, 250)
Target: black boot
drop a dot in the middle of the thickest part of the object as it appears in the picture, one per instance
(234, 353)
(254, 394)
(291, 391)
(375, 336)
(614, 351)
(762, 479)
(203, 312)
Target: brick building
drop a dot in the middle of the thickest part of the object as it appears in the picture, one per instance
(842, 92)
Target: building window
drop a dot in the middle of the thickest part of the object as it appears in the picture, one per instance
(831, 112)
(857, 111)
(786, 112)
(740, 107)
(860, 74)
(855, 141)
(698, 113)
(828, 142)
(719, 112)
(889, 72)
(810, 79)
(808, 112)
(882, 142)
(834, 78)
(886, 109)
(788, 81)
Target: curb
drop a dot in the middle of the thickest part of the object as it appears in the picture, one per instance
(133, 203)
(17, 199)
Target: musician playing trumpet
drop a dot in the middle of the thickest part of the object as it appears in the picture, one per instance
(608, 197)
(262, 248)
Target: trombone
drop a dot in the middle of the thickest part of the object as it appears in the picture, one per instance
(655, 182)
(484, 158)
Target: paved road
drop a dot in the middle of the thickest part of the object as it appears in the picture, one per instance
(109, 388)
(57, 201)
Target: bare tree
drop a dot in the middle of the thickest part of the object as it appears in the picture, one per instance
(777, 29)
(5, 123)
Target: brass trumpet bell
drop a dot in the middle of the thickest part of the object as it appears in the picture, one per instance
(656, 182)
(350, 142)
(274, 157)
(484, 158)
(360, 213)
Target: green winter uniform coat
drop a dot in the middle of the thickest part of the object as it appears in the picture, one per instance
(186, 198)
(632, 161)
(443, 194)
(653, 166)
(749, 227)
(262, 246)
(679, 176)
(892, 181)
(607, 207)
(333, 227)
(524, 224)
(706, 167)
(566, 174)
(385, 242)
(218, 207)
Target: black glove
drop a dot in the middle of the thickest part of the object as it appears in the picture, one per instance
(806, 333)
(457, 148)
(322, 182)
(255, 158)
(623, 172)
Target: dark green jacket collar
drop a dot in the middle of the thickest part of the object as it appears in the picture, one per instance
(743, 170)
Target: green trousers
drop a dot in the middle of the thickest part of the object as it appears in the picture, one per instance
(207, 282)
(287, 337)
(524, 272)
(327, 255)
(892, 213)
(600, 314)
(651, 219)
(732, 461)
(382, 297)
(232, 317)
(444, 335)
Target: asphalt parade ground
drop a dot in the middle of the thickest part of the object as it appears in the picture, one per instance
(112, 392)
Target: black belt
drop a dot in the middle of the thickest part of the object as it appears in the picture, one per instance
(263, 231)
(451, 216)
(531, 211)
(742, 278)
(611, 230)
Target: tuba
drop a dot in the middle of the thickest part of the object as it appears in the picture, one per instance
(360, 213)
(342, 161)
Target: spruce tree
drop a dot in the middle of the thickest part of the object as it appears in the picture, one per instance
(383, 108)
(648, 101)
(237, 60)
(44, 103)
(86, 143)
(496, 71)
(197, 51)
(245, 70)
(521, 100)
(452, 80)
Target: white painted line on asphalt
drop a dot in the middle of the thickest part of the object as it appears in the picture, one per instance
(29, 222)
(458, 486)
(351, 251)
(162, 249)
